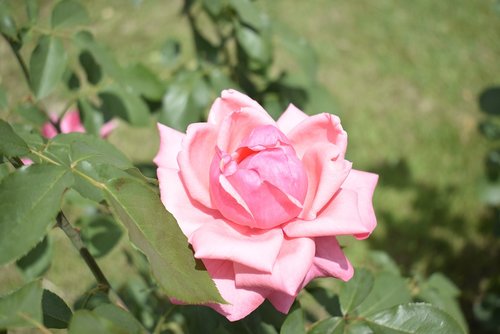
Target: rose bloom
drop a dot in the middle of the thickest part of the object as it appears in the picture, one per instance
(261, 201)
(71, 122)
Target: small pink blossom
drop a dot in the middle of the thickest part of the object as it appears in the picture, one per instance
(71, 122)
(261, 202)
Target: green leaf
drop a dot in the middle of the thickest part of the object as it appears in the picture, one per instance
(248, 13)
(388, 290)
(154, 231)
(56, 314)
(117, 101)
(142, 81)
(29, 201)
(213, 7)
(100, 234)
(414, 318)
(31, 113)
(11, 145)
(22, 307)
(47, 65)
(68, 13)
(170, 51)
(92, 118)
(37, 261)
(7, 23)
(32, 10)
(85, 322)
(4, 170)
(356, 290)
(4, 103)
(254, 44)
(119, 317)
(92, 69)
(333, 325)
(294, 322)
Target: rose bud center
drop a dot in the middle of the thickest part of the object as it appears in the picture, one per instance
(262, 184)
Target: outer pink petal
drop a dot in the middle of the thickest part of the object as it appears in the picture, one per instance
(326, 171)
(170, 146)
(230, 100)
(329, 261)
(321, 128)
(238, 125)
(250, 247)
(293, 263)
(190, 215)
(281, 301)
(341, 216)
(71, 122)
(364, 184)
(195, 158)
(242, 301)
(290, 118)
(48, 130)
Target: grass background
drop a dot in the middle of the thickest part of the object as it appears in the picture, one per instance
(406, 76)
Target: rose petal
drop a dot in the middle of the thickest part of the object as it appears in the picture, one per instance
(230, 100)
(190, 215)
(107, 128)
(321, 128)
(291, 266)
(198, 149)
(170, 146)
(290, 118)
(326, 171)
(48, 130)
(341, 216)
(281, 301)
(364, 184)
(250, 247)
(71, 122)
(241, 301)
(238, 125)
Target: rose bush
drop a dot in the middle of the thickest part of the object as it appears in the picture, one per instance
(262, 201)
(71, 122)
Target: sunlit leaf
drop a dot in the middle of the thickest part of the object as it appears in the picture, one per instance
(356, 290)
(254, 44)
(333, 325)
(47, 65)
(154, 231)
(7, 23)
(68, 13)
(248, 13)
(142, 81)
(29, 201)
(413, 318)
(23, 307)
(11, 145)
(294, 322)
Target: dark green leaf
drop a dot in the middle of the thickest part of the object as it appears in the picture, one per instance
(154, 231)
(294, 322)
(68, 13)
(72, 80)
(255, 45)
(248, 13)
(413, 318)
(47, 65)
(356, 290)
(489, 101)
(29, 201)
(85, 322)
(37, 261)
(100, 234)
(22, 307)
(7, 23)
(31, 113)
(170, 51)
(11, 145)
(142, 81)
(92, 69)
(333, 325)
(56, 314)
(116, 101)
(388, 290)
(119, 317)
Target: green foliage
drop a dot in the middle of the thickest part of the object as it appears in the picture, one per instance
(22, 308)
(56, 314)
(67, 13)
(154, 231)
(37, 261)
(295, 322)
(11, 144)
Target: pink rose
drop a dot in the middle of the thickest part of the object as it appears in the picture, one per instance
(71, 122)
(262, 201)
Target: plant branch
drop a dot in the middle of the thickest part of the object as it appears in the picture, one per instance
(74, 235)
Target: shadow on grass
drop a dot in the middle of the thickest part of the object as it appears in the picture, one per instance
(429, 237)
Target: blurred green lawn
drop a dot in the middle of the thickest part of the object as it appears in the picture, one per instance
(406, 76)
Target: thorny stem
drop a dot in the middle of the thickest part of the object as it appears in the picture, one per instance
(74, 235)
